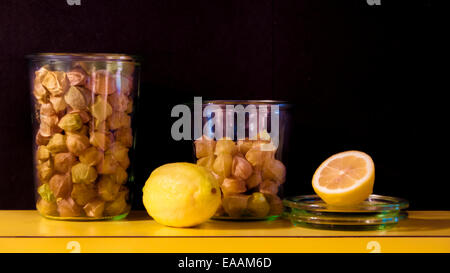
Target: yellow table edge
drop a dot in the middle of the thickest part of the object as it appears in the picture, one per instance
(104, 237)
(225, 245)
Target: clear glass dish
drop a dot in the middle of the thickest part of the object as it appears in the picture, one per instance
(376, 213)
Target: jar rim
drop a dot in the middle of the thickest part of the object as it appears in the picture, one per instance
(85, 56)
(246, 102)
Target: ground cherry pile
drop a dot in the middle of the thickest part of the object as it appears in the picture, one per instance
(83, 139)
(249, 175)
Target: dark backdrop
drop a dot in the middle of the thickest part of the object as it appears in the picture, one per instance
(361, 77)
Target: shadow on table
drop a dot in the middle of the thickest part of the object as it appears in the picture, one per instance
(220, 224)
(261, 224)
(138, 215)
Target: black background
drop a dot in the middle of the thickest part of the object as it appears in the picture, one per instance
(361, 77)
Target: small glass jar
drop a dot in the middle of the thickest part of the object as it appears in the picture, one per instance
(244, 144)
(83, 110)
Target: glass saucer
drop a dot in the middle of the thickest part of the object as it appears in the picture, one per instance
(376, 213)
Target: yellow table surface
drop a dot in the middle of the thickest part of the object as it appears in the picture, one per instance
(27, 231)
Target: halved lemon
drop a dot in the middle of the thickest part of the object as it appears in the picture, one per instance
(345, 179)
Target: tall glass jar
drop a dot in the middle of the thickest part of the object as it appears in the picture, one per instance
(244, 144)
(83, 109)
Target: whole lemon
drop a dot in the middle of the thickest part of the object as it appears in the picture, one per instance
(181, 194)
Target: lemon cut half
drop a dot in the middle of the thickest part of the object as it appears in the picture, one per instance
(345, 179)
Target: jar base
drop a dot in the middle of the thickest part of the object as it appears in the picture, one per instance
(87, 219)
